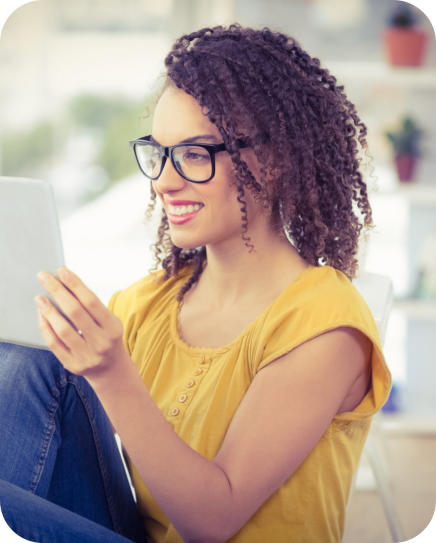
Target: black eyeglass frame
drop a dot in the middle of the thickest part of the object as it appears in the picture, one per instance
(167, 152)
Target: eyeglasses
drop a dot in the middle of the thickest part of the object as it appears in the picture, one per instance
(195, 162)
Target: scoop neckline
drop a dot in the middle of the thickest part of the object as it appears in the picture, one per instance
(174, 321)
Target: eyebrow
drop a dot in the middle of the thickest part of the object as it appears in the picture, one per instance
(193, 139)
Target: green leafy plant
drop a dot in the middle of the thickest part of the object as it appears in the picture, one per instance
(405, 140)
(113, 121)
(403, 16)
(24, 151)
(109, 122)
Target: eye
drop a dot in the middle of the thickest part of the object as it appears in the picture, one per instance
(195, 154)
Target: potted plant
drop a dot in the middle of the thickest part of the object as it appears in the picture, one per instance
(404, 41)
(405, 144)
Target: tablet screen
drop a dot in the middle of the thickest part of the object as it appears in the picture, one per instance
(30, 241)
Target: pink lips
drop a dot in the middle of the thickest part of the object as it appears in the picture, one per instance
(180, 202)
(181, 219)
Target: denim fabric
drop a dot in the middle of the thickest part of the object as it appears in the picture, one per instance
(37, 519)
(57, 444)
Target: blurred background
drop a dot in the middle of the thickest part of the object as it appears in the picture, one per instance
(77, 78)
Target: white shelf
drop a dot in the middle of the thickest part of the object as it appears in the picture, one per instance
(417, 309)
(414, 193)
(418, 194)
(380, 72)
(404, 424)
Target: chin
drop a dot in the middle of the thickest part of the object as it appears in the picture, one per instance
(186, 244)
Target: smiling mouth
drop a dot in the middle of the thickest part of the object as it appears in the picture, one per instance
(180, 214)
(180, 210)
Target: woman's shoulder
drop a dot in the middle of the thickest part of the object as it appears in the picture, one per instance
(148, 298)
(151, 288)
(324, 289)
(321, 299)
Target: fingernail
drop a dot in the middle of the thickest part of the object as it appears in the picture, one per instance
(43, 277)
(41, 301)
(64, 273)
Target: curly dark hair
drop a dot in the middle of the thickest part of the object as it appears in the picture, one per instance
(304, 131)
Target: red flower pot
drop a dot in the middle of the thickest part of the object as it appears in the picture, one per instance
(405, 46)
(405, 165)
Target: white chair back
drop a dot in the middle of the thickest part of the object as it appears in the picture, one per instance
(377, 291)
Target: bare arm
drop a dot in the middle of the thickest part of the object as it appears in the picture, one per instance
(286, 410)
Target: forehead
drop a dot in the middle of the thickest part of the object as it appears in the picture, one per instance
(178, 116)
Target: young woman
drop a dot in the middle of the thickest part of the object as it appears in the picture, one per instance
(242, 376)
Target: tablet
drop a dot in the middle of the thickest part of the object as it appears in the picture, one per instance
(30, 241)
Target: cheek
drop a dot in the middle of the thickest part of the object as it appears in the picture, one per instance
(224, 192)
(157, 192)
(222, 188)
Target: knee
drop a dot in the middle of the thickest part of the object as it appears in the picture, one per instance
(19, 363)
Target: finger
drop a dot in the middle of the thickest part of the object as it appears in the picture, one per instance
(69, 304)
(93, 305)
(59, 349)
(63, 331)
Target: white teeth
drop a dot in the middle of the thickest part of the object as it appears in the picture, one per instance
(183, 210)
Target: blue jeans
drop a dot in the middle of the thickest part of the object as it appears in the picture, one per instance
(61, 476)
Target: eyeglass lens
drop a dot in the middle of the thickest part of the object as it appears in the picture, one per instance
(191, 161)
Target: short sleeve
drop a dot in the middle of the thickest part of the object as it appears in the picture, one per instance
(325, 300)
(379, 390)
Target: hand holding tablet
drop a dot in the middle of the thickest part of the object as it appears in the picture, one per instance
(78, 328)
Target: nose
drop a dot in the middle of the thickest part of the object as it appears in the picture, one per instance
(169, 179)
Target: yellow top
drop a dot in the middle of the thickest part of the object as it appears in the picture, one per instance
(199, 389)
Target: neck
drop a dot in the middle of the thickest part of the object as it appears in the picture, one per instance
(233, 274)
